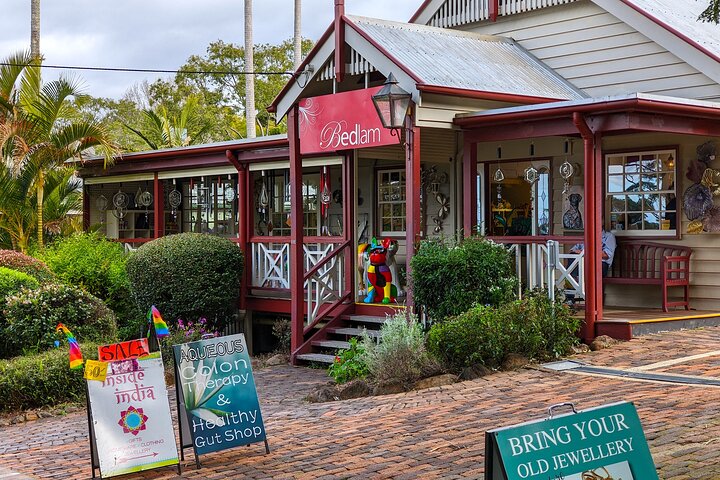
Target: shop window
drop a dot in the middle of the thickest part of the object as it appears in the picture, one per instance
(641, 192)
(391, 201)
(518, 207)
(210, 206)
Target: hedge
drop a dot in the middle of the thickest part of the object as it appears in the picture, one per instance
(188, 276)
(42, 380)
(449, 279)
(26, 264)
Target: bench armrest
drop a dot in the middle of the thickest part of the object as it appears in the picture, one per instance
(680, 270)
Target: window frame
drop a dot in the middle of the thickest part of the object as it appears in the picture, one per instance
(607, 206)
(379, 202)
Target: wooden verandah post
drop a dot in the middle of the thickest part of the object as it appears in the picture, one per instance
(469, 187)
(297, 270)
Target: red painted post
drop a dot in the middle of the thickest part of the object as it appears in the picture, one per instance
(159, 207)
(339, 41)
(469, 188)
(599, 202)
(412, 195)
(590, 236)
(297, 271)
(494, 9)
(348, 198)
(243, 208)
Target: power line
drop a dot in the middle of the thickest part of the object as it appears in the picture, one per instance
(147, 70)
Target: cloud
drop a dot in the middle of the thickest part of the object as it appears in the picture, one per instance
(162, 33)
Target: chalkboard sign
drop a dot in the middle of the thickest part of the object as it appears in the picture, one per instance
(605, 442)
(216, 390)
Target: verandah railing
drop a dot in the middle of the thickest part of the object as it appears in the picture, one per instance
(324, 267)
(544, 261)
(460, 12)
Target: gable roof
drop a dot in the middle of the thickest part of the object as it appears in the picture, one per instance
(423, 56)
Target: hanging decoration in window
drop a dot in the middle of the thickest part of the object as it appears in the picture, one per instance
(102, 203)
(698, 199)
(144, 199)
(121, 200)
(175, 200)
(229, 191)
(566, 172)
(263, 205)
(325, 200)
(531, 175)
(498, 178)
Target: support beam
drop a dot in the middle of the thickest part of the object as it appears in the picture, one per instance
(243, 209)
(412, 195)
(469, 188)
(591, 252)
(86, 209)
(523, 130)
(159, 207)
(493, 9)
(599, 218)
(348, 199)
(297, 273)
(339, 41)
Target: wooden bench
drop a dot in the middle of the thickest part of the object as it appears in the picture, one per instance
(637, 262)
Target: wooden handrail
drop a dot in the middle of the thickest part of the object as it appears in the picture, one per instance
(326, 259)
(326, 311)
(268, 239)
(536, 239)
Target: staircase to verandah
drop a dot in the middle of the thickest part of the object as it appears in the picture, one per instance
(349, 326)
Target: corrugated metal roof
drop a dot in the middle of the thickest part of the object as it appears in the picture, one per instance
(451, 58)
(682, 16)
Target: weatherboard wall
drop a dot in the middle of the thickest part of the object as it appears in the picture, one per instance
(599, 53)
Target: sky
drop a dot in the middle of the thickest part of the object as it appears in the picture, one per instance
(161, 34)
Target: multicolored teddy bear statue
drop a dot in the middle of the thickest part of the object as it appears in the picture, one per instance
(376, 259)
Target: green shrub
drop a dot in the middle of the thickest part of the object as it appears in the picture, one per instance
(26, 264)
(533, 327)
(182, 332)
(349, 364)
(282, 331)
(189, 276)
(11, 281)
(33, 315)
(43, 379)
(97, 265)
(400, 354)
(447, 280)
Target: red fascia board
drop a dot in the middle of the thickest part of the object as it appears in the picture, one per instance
(609, 106)
(193, 152)
(381, 49)
(672, 30)
(419, 11)
(272, 108)
(484, 95)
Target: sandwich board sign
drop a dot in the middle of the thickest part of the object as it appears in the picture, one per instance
(130, 425)
(606, 443)
(216, 391)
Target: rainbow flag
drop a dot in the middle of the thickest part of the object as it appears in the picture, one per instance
(76, 360)
(161, 328)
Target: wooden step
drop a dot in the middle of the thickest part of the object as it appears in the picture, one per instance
(316, 357)
(339, 344)
(353, 331)
(376, 320)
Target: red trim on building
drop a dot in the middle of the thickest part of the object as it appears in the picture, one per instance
(493, 10)
(484, 95)
(297, 271)
(339, 40)
(419, 11)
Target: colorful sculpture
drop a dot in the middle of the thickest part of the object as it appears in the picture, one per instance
(377, 260)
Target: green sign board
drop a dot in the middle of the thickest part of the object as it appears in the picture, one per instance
(600, 443)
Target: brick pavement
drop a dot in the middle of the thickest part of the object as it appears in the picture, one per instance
(434, 433)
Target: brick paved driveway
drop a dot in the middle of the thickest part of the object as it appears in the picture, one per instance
(435, 433)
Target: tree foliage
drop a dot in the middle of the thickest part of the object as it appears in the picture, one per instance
(711, 13)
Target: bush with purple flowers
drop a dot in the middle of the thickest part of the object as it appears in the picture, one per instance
(183, 332)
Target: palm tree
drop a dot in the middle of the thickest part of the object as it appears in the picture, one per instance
(164, 130)
(37, 130)
(297, 36)
(35, 29)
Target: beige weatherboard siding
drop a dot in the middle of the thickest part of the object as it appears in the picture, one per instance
(600, 54)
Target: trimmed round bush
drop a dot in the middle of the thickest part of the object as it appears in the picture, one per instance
(447, 280)
(189, 276)
(33, 315)
(26, 264)
(43, 379)
(97, 265)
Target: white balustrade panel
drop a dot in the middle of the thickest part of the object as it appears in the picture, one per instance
(271, 265)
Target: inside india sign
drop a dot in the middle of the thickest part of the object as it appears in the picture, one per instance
(607, 442)
(218, 393)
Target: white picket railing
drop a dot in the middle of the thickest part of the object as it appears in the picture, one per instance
(460, 12)
(538, 265)
(270, 265)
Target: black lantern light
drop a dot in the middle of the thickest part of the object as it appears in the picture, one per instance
(392, 104)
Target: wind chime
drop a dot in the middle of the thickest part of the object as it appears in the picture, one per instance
(174, 200)
(566, 172)
(144, 199)
(325, 199)
(263, 205)
(102, 203)
(498, 179)
(120, 203)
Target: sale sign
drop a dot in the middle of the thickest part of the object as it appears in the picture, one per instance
(123, 350)
(218, 393)
(131, 420)
(341, 121)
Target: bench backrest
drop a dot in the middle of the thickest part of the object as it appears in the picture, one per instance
(640, 259)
